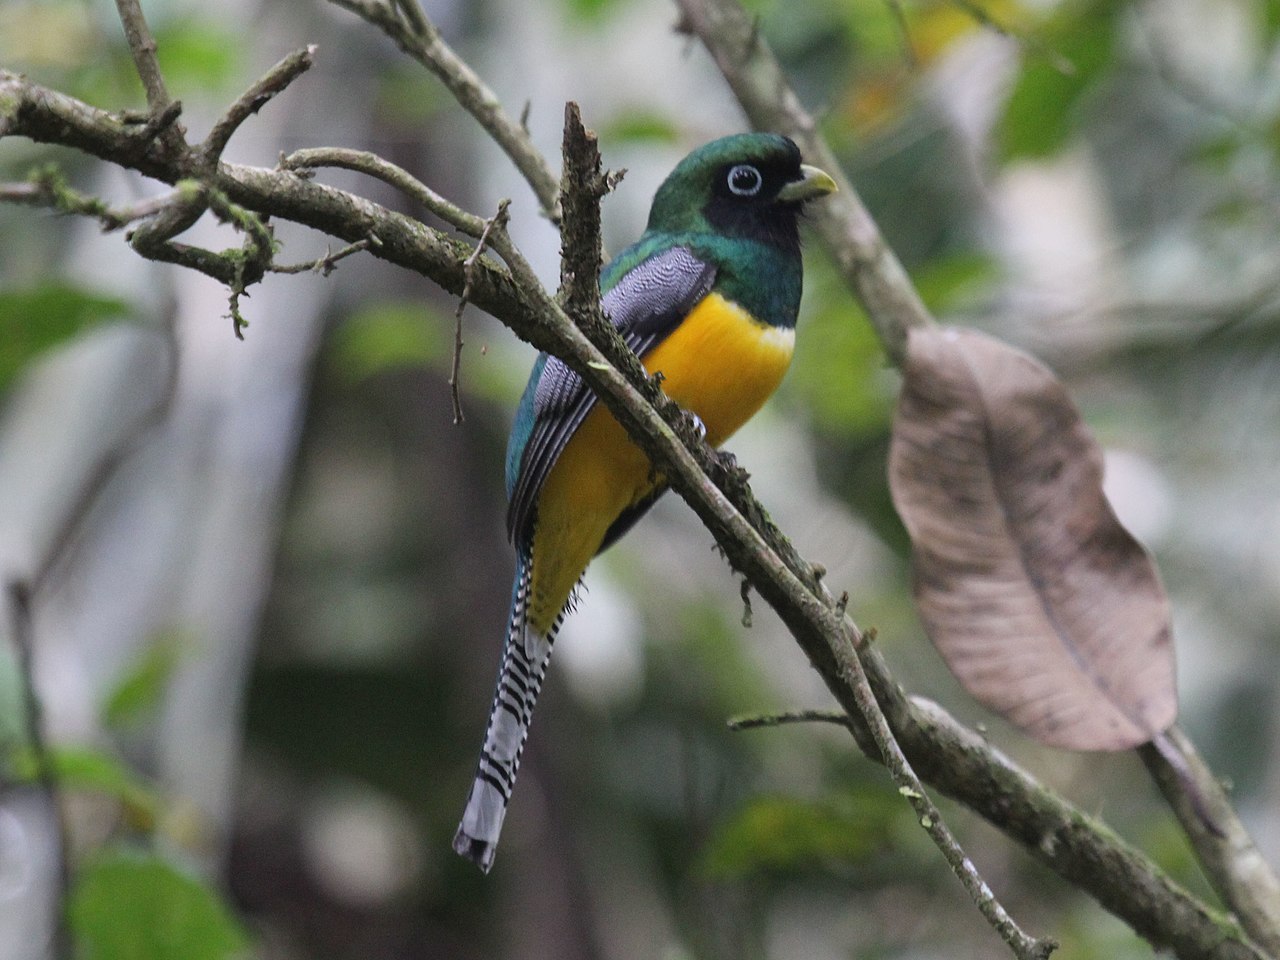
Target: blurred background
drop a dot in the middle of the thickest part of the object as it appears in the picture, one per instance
(272, 578)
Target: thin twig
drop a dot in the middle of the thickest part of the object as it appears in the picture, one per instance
(235, 269)
(18, 598)
(766, 720)
(258, 95)
(899, 14)
(372, 165)
(47, 187)
(164, 110)
(1228, 854)
(142, 45)
(415, 34)
(328, 263)
(496, 223)
(582, 187)
(21, 593)
(987, 19)
(1023, 945)
(963, 765)
(110, 461)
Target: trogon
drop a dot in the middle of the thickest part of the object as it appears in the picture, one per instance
(707, 297)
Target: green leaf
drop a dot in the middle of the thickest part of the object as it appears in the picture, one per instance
(32, 321)
(36, 319)
(135, 906)
(1270, 16)
(1040, 112)
(944, 283)
(407, 97)
(138, 692)
(787, 834)
(640, 125)
(838, 369)
(591, 10)
(91, 771)
(13, 714)
(387, 336)
(197, 57)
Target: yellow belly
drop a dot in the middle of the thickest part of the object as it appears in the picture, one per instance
(719, 363)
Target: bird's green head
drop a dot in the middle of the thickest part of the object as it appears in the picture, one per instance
(750, 185)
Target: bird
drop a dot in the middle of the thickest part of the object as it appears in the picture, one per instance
(707, 298)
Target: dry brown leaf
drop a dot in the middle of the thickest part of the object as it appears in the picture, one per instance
(1042, 604)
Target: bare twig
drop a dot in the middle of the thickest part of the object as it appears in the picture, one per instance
(254, 99)
(236, 269)
(899, 14)
(763, 720)
(963, 765)
(21, 592)
(411, 29)
(328, 263)
(1223, 845)
(143, 47)
(986, 18)
(582, 187)
(495, 224)
(374, 166)
(111, 459)
(47, 187)
(163, 109)
(18, 600)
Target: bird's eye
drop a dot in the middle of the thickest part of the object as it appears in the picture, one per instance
(745, 180)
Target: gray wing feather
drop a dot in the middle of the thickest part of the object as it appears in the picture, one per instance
(645, 305)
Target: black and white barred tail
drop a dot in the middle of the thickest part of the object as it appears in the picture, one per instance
(524, 664)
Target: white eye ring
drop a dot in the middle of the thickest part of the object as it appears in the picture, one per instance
(745, 180)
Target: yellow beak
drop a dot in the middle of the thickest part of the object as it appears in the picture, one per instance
(813, 183)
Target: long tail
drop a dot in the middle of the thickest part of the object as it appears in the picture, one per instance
(524, 664)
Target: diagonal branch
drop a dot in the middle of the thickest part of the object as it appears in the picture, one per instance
(1227, 853)
(405, 22)
(47, 187)
(374, 166)
(163, 109)
(254, 99)
(18, 602)
(894, 307)
(143, 47)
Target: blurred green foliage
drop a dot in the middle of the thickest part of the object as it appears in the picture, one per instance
(1074, 50)
(639, 124)
(40, 317)
(384, 337)
(85, 55)
(141, 689)
(128, 905)
(772, 834)
(89, 770)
